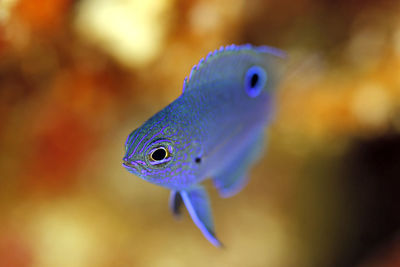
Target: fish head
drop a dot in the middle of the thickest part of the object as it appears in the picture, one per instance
(157, 153)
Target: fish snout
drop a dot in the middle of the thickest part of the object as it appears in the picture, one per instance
(129, 163)
(132, 164)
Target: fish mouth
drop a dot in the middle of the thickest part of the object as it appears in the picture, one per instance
(131, 165)
(136, 167)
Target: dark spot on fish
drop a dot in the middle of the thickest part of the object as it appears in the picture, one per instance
(254, 80)
(197, 160)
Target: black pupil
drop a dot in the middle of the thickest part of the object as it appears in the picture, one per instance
(159, 154)
(254, 80)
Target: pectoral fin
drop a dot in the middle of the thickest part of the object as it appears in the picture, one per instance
(198, 205)
(233, 177)
(231, 182)
(175, 203)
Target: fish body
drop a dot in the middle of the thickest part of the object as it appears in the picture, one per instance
(214, 130)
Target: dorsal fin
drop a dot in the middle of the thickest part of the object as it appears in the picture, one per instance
(224, 51)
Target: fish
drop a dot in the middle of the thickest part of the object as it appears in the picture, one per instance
(214, 130)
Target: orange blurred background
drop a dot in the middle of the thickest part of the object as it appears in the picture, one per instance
(77, 76)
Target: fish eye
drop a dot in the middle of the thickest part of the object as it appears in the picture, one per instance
(255, 80)
(159, 155)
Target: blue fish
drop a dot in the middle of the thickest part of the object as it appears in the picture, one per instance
(213, 130)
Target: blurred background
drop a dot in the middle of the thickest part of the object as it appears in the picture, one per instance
(77, 76)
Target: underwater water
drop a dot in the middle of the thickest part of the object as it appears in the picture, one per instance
(76, 77)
